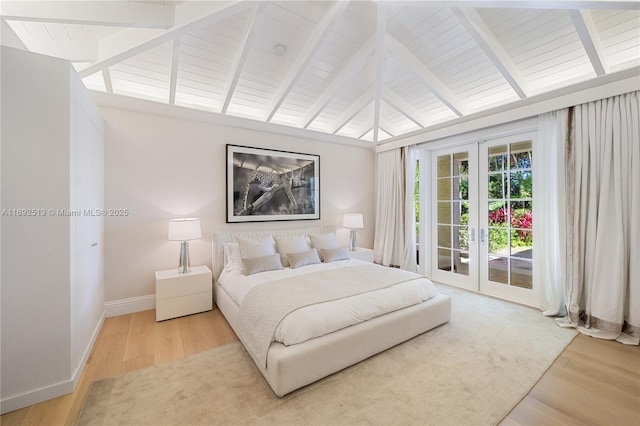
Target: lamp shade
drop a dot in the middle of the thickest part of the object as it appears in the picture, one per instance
(353, 221)
(184, 229)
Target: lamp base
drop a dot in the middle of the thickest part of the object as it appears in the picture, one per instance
(184, 265)
(352, 241)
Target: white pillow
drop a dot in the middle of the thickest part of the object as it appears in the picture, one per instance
(232, 257)
(286, 245)
(334, 254)
(324, 241)
(250, 248)
(303, 258)
(253, 265)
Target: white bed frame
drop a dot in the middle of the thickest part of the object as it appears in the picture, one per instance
(292, 367)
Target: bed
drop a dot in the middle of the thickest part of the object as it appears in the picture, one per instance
(288, 367)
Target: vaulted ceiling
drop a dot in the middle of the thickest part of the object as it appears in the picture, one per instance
(364, 70)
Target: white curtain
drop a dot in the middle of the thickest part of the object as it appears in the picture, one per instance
(394, 243)
(550, 228)
(603, 233)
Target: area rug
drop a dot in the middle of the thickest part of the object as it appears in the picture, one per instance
(470, 371)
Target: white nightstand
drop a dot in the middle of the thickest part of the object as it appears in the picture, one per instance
(183, 294)
(362, 254)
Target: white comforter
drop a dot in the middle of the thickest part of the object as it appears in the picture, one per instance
(323, 318)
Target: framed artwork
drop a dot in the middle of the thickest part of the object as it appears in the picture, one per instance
(269, 185)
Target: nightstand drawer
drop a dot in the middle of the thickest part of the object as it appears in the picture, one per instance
(362, 254)
(183, 305)
(173, 284)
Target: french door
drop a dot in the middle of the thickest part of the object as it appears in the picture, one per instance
(482, 217)
(454, 216)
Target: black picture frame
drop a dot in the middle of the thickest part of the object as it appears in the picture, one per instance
(266, 185)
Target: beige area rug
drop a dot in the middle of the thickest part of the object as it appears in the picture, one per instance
(471, 371)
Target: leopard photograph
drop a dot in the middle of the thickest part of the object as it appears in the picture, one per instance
(271, 186)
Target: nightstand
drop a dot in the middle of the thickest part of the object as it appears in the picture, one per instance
(362, 254)
(183, 294)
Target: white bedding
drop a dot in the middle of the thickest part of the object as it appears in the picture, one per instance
(323, 318)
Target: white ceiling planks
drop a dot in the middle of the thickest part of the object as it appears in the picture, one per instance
(367, 70)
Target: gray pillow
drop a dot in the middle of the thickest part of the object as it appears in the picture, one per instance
(254, 265)
(324, 241)
(303, 258)
(334, 254)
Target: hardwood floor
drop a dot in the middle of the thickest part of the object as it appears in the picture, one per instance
(593, 381)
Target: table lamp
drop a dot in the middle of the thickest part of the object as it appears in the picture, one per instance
(353, 221)
(184, 230)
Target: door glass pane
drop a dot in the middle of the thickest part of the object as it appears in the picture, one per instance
(521, 155)
(520, 184)
(444, 236)
(499, 241)
(444, 212)
(461, 163)
(497, 185)
(444, 165)
(444, 189)
(444, 259)
(499, 269)
(461, 237)
(464, 188)
(521, 272)
(461, 262)
(497, 158)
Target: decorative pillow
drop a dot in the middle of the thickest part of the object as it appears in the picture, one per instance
(250, 248)
(334, 254)
(286, 245)
(324, 241)
(254, 265)
(232, 257)
(303, 258)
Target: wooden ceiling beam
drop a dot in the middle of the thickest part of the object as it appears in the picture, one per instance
(241, 55)
(355, 65)
(105, 13)
(404, 107)
(106, 76)
(381, 31)
(483, 36)
(429, 79)
(132, 41)
(175, 61)
(527, 4)
(356, 108)
(590, 40)
(73, 51)
(316, 38)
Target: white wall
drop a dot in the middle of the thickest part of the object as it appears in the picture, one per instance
(161, 168)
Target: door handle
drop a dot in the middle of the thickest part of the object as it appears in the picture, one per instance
(472, 235)
(482, 236)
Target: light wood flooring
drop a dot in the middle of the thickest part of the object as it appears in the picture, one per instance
(593, 382)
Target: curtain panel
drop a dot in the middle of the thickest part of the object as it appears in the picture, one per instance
(550, 267)
(395, 240)
(603, 219)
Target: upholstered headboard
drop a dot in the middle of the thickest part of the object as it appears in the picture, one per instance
(219, 238)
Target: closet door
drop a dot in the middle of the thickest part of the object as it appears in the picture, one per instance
(454, 248)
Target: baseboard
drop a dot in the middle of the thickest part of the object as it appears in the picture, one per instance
(52, 391)
(33, 397)
(85, 356)
(129, 306)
